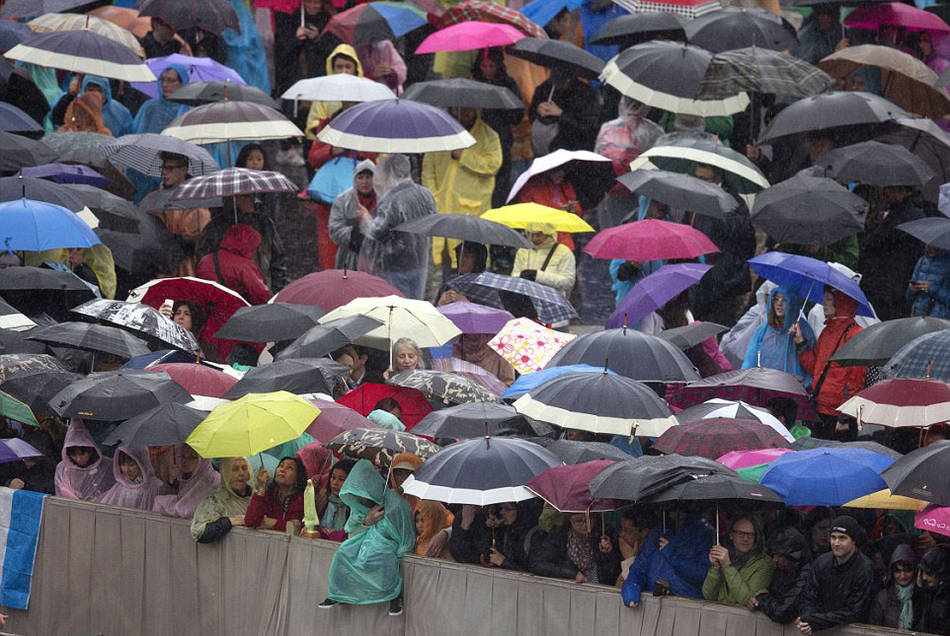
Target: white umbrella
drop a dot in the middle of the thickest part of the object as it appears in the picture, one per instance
(340, 87)
(717, 407)
(549, 162)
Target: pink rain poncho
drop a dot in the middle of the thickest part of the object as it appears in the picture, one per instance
(138, 494)
(86, 483)
(191, 491)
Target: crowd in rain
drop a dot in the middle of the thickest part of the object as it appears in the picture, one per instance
(652, 295)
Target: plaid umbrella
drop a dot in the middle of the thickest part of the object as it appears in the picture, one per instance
(143, 153)
(450, 388)
(229, 121)
(527, 345)
(91, 337)
(211, 15)
(83, 52)
(141, 319)
(758, 70)
(13, 364)
(75, 21)
(714, 437)
(484, 11)
(685, 8)
(381, 445)
(926, 356)
(550, 305)
(234, 181)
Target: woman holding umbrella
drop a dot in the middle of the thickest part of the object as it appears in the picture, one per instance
(773, 344)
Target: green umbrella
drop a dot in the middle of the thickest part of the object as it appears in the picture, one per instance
(16, 410)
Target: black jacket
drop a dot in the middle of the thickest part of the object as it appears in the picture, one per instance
(578, 125)
(835, 594)
(932, 609)
(548, 556)
(886, 606)
(782, 602)
(474, 545)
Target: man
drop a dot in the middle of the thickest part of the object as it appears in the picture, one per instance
(564, 113)
(344, 224)
(343, 59)
(780, 602)
(161, 42)
(839, 585)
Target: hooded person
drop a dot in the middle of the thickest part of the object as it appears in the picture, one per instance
(349, 62)
(548, 262)
(816, 316)
(344, 224)
(95, 262)
(225, 506)
(365, 568)
(384, 419)
(790, 552)
(928, 292)
(819, 35)
(399, 258)
(232, 264)
(155, 114)
(772, 346)
(116, 116)
(84, 473)
(246, 53)
(932, 595)
(135, 482)
(383, 64)
(84, 114)
(431, 518)
(197, 478)
(740, 570)
(575, 549)
(894, 605)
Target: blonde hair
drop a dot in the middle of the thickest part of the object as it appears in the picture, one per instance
(410, 344)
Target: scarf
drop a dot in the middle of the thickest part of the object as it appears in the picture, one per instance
(581, 554)
(905, 594)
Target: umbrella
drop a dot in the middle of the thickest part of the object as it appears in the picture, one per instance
(113, 212)
(654, 291)
(140, 319)
(395, 125)
(493, 289)
(922, 357)
(831, 110)
(480, 472)
(15, 449)
(412, 403)
(668, 75)
(934, 519)
(145, 254)
(36, 226)
(628, 30)
(197, 379)
(49, 22)
(340, 87)
(558, 54)
(206, 92)
(884, 500)
(756, 386)
(753, 457)
(143, 153)
(738, 409)
(32, 284)
(714, 437)
(169, 423)
(900, 402)
(334, 288)
(760, 70)
(895, 14)
(272, 322)
(475, 318)
(809, 210)
(14, 409)
(83, 52)
(253, 424)
(875, 345)
(529, 381)
(35, 387)
(826, 476)
(11, 320)
(66, 173)
(718, 489)
(808, 442)
(301, 375)
(528, 346)
(933, 231)
(650, 239)
(582, 167)
(603, 404)
(464, 227)
(380, 445)
(322, 340)
(229, 121)
(809, 276)
(369, 23)
(17, 151)
(520, 215)
(567, 489)
(117, 395)
(334, 419)
(233, 182)
(630, 353)
(686, 9)
(645, 476)
(477, 419)
(20, 187)
(470, 36)
(463, 92)
(892, 165)
(13, 364)
(11, 34)
(200, 69)
(445, 387)
(471, 372)
(209, 15)
(690, 335)
(579, 452)
(681, 191)
(923, 474)
(486, 11)
(739, 27)
(91, 337)
(12, 119)
(31, 8)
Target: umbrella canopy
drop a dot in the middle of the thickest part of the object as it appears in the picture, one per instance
(17, 152)
(650, 239)
(645, 476)
(49, 22)
(739, 27)
(206, 92)
(253, 424)
(668, 75)
(334, 288)
(884, 500)
(714, 437)
(448, 388)
(303, 375)
(719, 489)
(529, 381)
(66, 173)
(475, 318)
(36, 226)
(567, 489)
(200, 69)
(477, 419)
(520, 215)
(233, 182)
(14, 409)
(13, 364)
(480, 472)
(686, 9)
(464, 227)
(809, 210)
(117, 395)
(144, 153)
(493, 289)
(91, 337)
(923, 357)
(340, 87)
(12, 119)
(197, 379)
(322, 340)
(604, 403)
(745, 458)
(630, 353)
(334, 419)
(380, 445)
(831, 110)
(761, 70)
(892, 165)
(470, 36)
(926, 140)
(738, 409)
(486, 11)
(230, 121)
(629, 30)
(808, 442)
(412, 403)
(140, 319)
(654, 291)
(35, 387)
(11, 320)
(923, 474)
(210, 15)
(582, 167)
(395, 125)
(901, 402)
(579, 452)
(934, 519)
(755, 385)
(169, 423)
(369, 23)
(528, 346)
(895, 14)
(21, 187)
(463, 92)
(826, 476)
(15, 449)
(83, 52)
(557, 54)
(681, 191)
(272, 322)
(934, 231)
(31, 8)
(27, 284)
(875, 345)
(690, 335)
(416, 319)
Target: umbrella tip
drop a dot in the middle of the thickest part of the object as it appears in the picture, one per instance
(606, 361)
(927, 376)
(344, 272)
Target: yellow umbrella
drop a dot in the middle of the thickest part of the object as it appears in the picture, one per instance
(519, 215)
(252, 424)
(884, 500)
(50, 22)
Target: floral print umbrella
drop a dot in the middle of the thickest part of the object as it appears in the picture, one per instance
(527, 345)
(381, 445)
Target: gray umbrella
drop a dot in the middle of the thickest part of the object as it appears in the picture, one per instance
(681, 191)
(324, 339)
(140, 319)
(876, 163)
(271, 322)
(464, 92)
(557, 54)
(579, 452)
(477, 419)
(198, 93)
(832, 110)
(143, 153)
(91, 337)
(300, 375)
(875, 345)
(113, 212)
(18, 152)
(17, 187)
(740, 27)
(692, 334)
(168, 423)
(808, 210)
(933, 231)
(628, 30)
(117, 395)
(466, 228)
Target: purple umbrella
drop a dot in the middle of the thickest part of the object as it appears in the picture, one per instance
(656, 290)
(67, 173)
(200, 69)
(15, 449)
(475, 318)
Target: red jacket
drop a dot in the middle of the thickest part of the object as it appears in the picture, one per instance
(268, 506)
(236, 262)
(840, 382)
(320, 153)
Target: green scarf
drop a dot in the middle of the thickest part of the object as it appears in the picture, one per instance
(905, 594)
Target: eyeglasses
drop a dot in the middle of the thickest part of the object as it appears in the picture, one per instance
(168, 167)
(744, 535)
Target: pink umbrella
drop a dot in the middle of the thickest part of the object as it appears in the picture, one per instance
(334, 419)
(895, 14)
(650, 240)
(934, 519)
(469, 36)
(744, 458)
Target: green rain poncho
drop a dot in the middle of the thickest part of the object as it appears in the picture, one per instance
(365, 568)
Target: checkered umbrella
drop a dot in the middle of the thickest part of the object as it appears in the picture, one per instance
(927, 356)
(483, 288)
(234, 181)
(758, 70)
(229, 121)
(143, 153)
(685, 8)
(489, 12)
(91, 337)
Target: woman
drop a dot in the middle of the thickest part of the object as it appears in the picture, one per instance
(84, 114)
(928, 291)
(430, 519)
(135, 482)
(224, 507)
(155, 114)
(317, 462)
(253, 157)
(474, 348)
(343, 225)
(191, 316)
(274, 504)
(772, 345)
(83, 472)
(894, 605)
(551, 188)
(495, 538)
(572, 551)
(739, 572)
(818, 530)
(197, 478)
(336, 512)
(407, 356)
(547, 262)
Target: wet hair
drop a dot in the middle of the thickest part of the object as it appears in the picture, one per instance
(241, 161)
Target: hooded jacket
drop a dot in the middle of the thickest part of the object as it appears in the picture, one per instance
(84, 114)
(139, 494)
(155, 114)
(117, 117)
(932, 605)
(835, 594)
(840, 383)
(323, 110)
(343, 225)
(211, 519)
(549, 555)
(936, 300)
(435, 518)
(775, 348)
(737, 582)
(235, 258)
(561, 271)
(781, 602)
(886, 607)
(87, 483)
(191, 492)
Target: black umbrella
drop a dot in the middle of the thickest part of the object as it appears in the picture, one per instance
(739, 27)
(198, 93)
(328, 337)
(463, 92)
(16, 342)
(36, 387)
(12, 319)
(636, 479)
(831, 110)
(718, 489)
(466, 228)
(692, 334)
(922, 474)
(681, 191)
(630, 353)
(875, 345)
(168, 423)
(37, 289)
(33, 8)
(141, 320)
(144, 254)
(20, 187)
(271, 322)
(809, 442)
(113, 212)
(440, 386)
(808, 210)
(477, 419)
(162, 200)
(144, 153)
(91, 337)
(117, 395)
(629, 30)
(557, 54)
(13, 119)
(876, 163)
(12, 364)
(579, 452)
(300, 375)
(211, 15)
(18, 152)
(934, 231)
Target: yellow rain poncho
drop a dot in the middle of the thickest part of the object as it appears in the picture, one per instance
(98, 258)
(323, 110)
(560, 271)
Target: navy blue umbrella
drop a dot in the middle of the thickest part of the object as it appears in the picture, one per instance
(67, 173)
(12, 33)
(83, 52)
(12, 119)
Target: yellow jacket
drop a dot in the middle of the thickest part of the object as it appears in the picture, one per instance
(560, 271)
(464, 186)
(323, 110)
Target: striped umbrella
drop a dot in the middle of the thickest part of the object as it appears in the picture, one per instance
(83, 52)
(50, 22)
(144, 153)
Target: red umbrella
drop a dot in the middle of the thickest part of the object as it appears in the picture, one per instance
(484, 11)
(333, 288)
(197, 379)
(650, 240)
(335, 418)
(363, 400)
(901, 402)
(567, 487)
(716, 436)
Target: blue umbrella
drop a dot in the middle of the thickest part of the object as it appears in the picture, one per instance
(67, 173)
(543, 11)
(36, 226)
(826, 476)
(12, 119)
(809, 276)
(14, 449)
(12, 33)
(529, 381)
(654, 291)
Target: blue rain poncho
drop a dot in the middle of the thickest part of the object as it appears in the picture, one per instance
(116, 117)
(155, 114)
(245, 49)
(774, 348)
(365, 568)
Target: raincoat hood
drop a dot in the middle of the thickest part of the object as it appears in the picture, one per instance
(790, 543)
(545, 228)
(363, 166)
(126, 493)
(318, 461)
(793, 306)
(404, 458)
(363, 482)
(191, 491)
(242, 240)
(935, 562)
(392, 171)
(846, 308)
(155, 114)
(350, 52)
(433, 517)
(76, 482)
(903, 552)
(101, 82)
